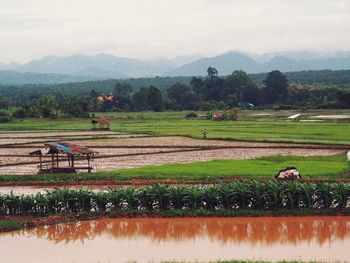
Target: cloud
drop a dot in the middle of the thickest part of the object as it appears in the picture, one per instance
(146, 28)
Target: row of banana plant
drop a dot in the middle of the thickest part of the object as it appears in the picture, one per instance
(237, 195)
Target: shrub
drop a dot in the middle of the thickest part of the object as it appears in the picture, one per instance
(254, 195)
(191, 115)
(5, 119)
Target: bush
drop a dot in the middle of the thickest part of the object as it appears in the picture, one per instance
(5, 119)
(191, 115)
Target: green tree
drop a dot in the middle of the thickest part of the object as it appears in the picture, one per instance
(276, 87)
(240, 86)
(154, 99)
(212, 73)
(121, 95)
(46, 105)
(183, 97)
(139, 99)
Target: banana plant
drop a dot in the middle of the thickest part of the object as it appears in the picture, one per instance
(210, 197)
(323, 196)
(179, 196)
(100, 201)
(147, 197)
(194, 197)
(115, 197)
(226, 195)
(162, 196)
(241, 194)
(340, 195)
(130, 198)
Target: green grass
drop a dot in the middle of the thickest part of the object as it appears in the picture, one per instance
(327, 167)
(174, 123)
(9, 225)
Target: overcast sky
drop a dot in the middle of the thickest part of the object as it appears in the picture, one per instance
(168, 28)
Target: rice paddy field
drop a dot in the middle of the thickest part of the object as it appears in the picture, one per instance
(167, 145)
(270, 126)
(146, 167)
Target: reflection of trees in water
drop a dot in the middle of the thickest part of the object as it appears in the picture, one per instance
(252, 230)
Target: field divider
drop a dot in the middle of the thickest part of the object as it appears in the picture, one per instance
(11, 145)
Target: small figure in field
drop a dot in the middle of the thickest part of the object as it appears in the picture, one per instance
(205, 133)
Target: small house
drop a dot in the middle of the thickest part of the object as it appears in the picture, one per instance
(100, 124)
(63, 158)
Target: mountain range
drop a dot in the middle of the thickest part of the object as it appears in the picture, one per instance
(74, 68)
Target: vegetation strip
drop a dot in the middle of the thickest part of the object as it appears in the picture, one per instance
(254, 195)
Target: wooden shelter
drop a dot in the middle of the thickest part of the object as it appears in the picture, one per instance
(63, 152)
(102, 124)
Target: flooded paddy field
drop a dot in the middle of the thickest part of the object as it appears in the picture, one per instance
(120, 150)
(182, 239)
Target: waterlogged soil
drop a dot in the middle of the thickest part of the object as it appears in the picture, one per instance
(203, 155)
(176, 141)
(132, 152)
(324, 239)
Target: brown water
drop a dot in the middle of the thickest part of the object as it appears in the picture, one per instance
(190, 239)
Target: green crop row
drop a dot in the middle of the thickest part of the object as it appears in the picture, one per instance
(256, 195)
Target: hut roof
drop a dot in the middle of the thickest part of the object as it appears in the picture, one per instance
(102, 122)
(65, 148)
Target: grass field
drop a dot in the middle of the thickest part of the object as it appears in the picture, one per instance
(327, 167)
(270, 129)
(330, 167)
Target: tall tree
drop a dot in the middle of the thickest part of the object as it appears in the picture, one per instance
(154, 98)
(139, 99)
(121, 96)
(212, 73)
(276, 87)
(237, 86)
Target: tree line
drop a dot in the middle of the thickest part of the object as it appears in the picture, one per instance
(212, 92)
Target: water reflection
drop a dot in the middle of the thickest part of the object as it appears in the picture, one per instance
(262, 231)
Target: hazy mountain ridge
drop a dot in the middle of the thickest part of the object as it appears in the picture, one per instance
(76, 68)
(8, 77)
(231, 61)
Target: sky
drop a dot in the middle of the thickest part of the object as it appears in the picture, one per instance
(31, 29)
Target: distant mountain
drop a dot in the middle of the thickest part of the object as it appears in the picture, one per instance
(8, 77)
(100, 65)
(231, 61)
(225, 64)
(53, 69)
(95, 65)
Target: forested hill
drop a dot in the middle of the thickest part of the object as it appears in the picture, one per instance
(84, 88)
(339, 77)
(10, 77)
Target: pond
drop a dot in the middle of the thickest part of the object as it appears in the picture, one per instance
(182, 239)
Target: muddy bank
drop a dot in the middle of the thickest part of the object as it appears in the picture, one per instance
(105, 184)
(34, 221)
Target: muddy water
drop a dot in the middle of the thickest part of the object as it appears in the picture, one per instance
(190, 239)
